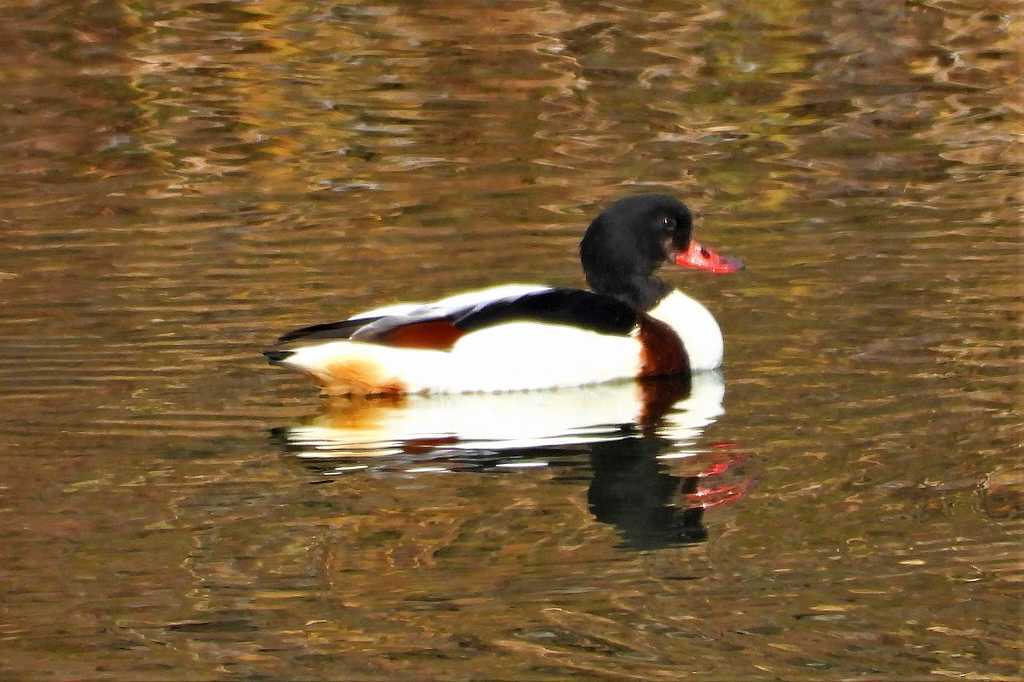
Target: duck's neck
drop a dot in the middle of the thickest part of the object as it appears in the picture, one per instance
(641, 292)
(615, 266)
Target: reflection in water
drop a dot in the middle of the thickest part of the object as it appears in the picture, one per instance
(641, 439)
(635, 490)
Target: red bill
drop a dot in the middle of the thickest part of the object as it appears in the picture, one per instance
(702, 258)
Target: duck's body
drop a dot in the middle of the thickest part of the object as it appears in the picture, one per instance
(519, 337)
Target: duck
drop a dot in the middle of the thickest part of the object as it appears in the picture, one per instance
(629, 324)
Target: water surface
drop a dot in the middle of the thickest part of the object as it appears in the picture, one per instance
(182, 181)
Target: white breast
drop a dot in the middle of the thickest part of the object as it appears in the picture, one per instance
(695, 326)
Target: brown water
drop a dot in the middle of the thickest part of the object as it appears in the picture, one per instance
(182, 181)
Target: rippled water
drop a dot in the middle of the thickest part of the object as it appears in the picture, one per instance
(182, 181)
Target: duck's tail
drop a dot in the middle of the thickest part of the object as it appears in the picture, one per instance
(277, 357)
(351, 368)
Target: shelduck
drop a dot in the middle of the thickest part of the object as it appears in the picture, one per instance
(513, 337)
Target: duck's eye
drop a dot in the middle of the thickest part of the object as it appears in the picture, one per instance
(668, 222)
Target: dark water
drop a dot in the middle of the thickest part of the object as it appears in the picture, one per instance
(181, 181)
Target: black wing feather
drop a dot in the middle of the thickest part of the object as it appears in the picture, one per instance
(571, 307)
(329, 330)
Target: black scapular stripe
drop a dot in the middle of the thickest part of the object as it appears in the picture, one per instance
(328, 330)
(276, 357)
(571, 307)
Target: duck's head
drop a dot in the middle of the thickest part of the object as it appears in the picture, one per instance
(632, 238)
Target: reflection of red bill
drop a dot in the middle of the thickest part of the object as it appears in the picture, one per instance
(706, 498)
(720, 468)
(702, 258)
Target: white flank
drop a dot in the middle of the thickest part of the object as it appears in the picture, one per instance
(506, 357)
(695, 326)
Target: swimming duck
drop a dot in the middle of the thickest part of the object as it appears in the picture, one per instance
(512, 337)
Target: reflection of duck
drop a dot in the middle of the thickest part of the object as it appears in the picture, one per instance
(523, 336)
(648, 472)
(633, 490)
(636, 488)
(673, 408)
